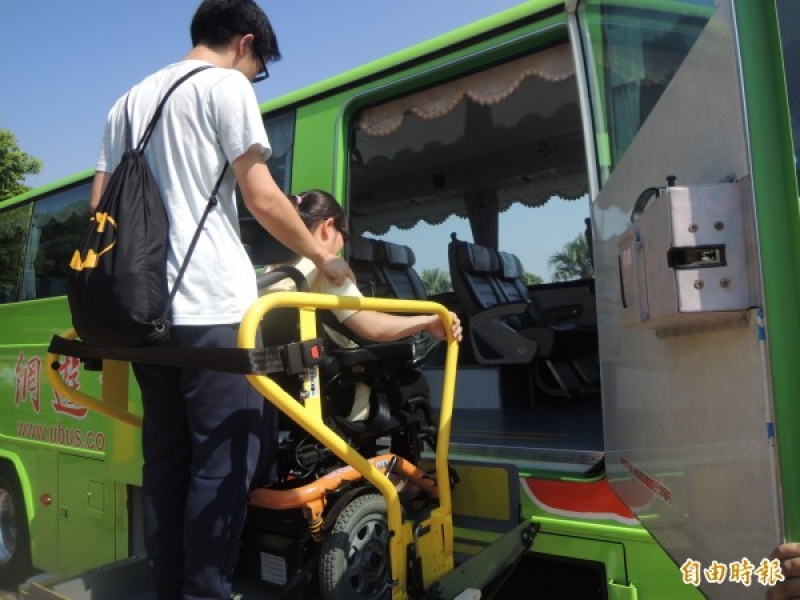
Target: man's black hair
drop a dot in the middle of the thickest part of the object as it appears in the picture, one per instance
(216, 22)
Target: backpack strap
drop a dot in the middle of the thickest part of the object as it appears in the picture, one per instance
(128, 134)
(148, 132)
(212, 202)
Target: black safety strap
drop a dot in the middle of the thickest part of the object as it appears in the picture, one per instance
(288, 358)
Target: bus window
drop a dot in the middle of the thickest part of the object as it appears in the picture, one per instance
(13, 229)
(789, 13)
(641, 50)
(57, 224)
(484, 157)
(280, 129)
(260, 245)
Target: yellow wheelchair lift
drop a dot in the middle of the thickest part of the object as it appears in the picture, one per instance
(428, 543)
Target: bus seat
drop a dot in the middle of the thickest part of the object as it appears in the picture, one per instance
(397, 265)
(363, 260)
(505, 324)
(472, 269)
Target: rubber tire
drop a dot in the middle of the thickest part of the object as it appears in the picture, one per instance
(15, 543)
(354, 557)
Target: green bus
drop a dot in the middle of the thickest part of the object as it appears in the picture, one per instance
(630, 168)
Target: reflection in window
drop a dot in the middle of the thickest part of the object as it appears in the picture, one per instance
(637, 53)
(13, 231)
(789, 16)
(56, 228)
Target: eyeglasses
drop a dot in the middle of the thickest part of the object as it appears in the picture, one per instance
(262, 73)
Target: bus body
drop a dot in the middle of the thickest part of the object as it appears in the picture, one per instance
(668, 124)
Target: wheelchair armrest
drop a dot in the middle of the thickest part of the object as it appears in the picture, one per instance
(352, 357)
(268, 278)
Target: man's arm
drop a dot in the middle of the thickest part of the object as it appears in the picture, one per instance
(99, 185)
(274, 211)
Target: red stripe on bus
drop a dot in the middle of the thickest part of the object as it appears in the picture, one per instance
(595, 497)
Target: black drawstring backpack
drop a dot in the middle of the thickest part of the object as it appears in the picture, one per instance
(117, 281)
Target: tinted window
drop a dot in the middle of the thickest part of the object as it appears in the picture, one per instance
(280, 129)
(260, 245)
(636, 54)
(57, 225)
(13, 230)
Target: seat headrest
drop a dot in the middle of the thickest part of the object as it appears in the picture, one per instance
(510, 265)
(363, 249)
(397, 255)
(475, 259)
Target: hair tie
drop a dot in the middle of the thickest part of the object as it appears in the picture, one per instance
(299, 200)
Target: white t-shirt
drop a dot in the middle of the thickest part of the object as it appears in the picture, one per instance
(210, 118)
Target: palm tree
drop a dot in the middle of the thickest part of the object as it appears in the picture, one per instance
(531, 279)
(436, 281)
(573, 262)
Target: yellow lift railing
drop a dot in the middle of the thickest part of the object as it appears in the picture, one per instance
(433, 538)
(436, 547)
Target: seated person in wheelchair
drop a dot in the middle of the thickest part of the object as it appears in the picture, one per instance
(327, 222)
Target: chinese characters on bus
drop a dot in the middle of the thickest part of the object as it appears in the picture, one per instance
(28, 378)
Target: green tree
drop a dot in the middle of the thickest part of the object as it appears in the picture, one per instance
(14, 166)
(573, 262)
(531, 279)
(436, 281)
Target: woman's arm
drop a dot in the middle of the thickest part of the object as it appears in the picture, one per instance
(383, 327)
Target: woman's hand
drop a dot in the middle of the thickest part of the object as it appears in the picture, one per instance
(436, 328)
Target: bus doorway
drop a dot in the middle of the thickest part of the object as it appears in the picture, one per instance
(491, 164)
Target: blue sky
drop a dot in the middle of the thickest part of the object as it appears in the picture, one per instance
(65, 63)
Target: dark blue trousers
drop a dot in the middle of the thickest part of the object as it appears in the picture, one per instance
(200, 442)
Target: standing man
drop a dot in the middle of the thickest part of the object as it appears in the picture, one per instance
(200, 436)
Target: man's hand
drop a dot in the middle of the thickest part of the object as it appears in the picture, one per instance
(336, 269)
(789, 555)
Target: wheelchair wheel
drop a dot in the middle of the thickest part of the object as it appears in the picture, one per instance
(354, 558)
